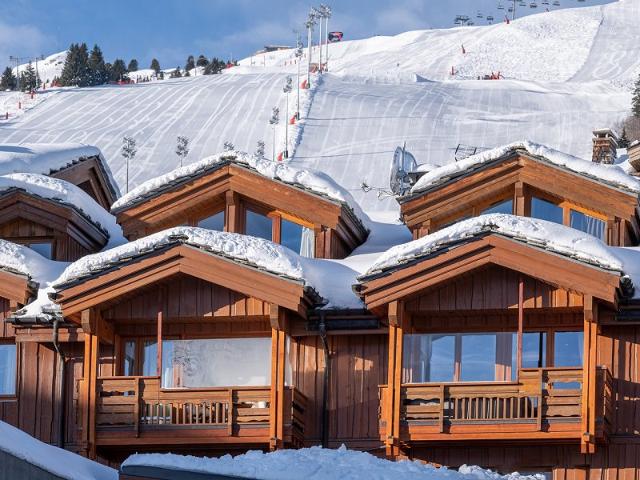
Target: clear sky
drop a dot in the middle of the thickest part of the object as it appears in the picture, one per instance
(172, 29)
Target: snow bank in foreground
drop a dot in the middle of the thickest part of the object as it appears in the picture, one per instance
(541, 233)
(315, 181)
(316, 463)
(67, 193)
(55, 460)
(330, 280)
(611, 174)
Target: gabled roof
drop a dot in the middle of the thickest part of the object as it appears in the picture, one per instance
(309, 181)
(55, 159)
(505, 240)
(610, 175)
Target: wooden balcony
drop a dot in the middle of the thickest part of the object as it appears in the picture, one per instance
(543, 404)
(136, 411)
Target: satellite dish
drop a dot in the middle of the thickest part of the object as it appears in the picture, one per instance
(403, 163)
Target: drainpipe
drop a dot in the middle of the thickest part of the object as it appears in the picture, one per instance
(62, 384)
(327, 375)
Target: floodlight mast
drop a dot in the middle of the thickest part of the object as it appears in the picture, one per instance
(326, 9)
(319, 15)
(311, 21)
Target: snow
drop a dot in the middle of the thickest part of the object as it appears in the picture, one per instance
(317, 182)
(49, 68)
(556, 238)
(67, 194)
(331, 280)
(610, 174)
(55, 460)
(45, 158)
(22, 260)
(316, 463)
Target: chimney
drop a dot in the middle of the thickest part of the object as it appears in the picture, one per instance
(605, 145)
(634, 155)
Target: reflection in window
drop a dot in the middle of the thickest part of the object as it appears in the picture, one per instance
(428, 358)
(214, 222)
(45, 249)
(534, 351)
(504, 206)
(129, 366)
(298, 238)
(567, 349)
(546, 210)
(258, 225)
(478, 362)
(150, 358)
(7, 369)
(220, 362)
(586, 223)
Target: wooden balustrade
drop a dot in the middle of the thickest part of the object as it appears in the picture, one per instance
(135, 403)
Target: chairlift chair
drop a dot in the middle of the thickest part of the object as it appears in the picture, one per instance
(479, 15)
(545, 2)
(556, 3)
(533, 5)
(489, 18)
(500, 6)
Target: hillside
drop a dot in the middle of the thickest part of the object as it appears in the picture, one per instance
(566, 73)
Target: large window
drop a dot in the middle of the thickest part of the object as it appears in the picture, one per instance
(7, 369)
(289, 233)
(140, 357)
(587, 223)
(546, 210)
(220, 362)
(258, 225)
(503, 206)
(214, 222)
(567, 349)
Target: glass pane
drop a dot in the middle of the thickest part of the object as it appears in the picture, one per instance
(44, 249)
(258, 225)
(505, 206)
(587, 224)
(428, 358)
(534, 351)
(221, 362)
(150, 358)
(478, 361)
(291, 235)
(214, 222)
(567, 349)
(129, 366)
(7, 369)
(545, 210)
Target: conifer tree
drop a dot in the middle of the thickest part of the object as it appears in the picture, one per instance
(99, 71)
(176, 73)
(76, 70)
(635, 101)
(8, 81)
(202, 61)
(29, 79)
(118, 70)
(133, 65)
(623, 141)
(190, 65)
(155, 66)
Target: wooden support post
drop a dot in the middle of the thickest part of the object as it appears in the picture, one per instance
(520, 325)
(159, 344)
(394, 383)
(587, 444)
(278, 359)
(519, 204)
(232, 221)
(89, 391)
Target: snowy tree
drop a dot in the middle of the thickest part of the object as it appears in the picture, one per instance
(133, 65)
(182, 148)
(273, 121)
(76, 70)
(202, 61)
(155, 66)
(635, 101)
(190, 65)
(260, 148)
(118, 70)
(8, 81)
(29, 79)
(229, 146)
(98, 71)
(176, 73)
(128, 152)
(623, 141)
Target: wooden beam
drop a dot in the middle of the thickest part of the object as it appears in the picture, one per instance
(519, 204)
(520, 323)
(92, 323)
(278, 318)
(588, 409)
(232, 221)
(276, 404)
(159, 332)
(88, 396)
(394, 384)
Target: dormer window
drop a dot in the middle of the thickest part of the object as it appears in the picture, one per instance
(283, 229)
(44, 248)
(259, 225)
(503, 206)
(214, 222)
(587, 223)
(546, 210)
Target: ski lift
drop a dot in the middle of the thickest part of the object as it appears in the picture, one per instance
(489, 18)
(479, 15)
(533, 5)
(545, 2)
(522, 3)
(556, 3)
(500, 6)
(510, 9)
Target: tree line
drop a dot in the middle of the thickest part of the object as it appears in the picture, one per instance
(84, 68)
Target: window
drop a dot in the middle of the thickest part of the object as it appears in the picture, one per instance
(218, 362)
(586, 223)
(545, 210)
(429, 358)
(43, 248)
(140, 357)
(503, 206)
(8, 369)
(297, 237)
(567, 349)
(258, 225)
(478, 363)
(214, 222)
(534, 351)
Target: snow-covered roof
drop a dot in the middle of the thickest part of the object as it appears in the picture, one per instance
(67, 194)
(57, 461)
(330, 280)
(48, 158)
(22, 260)
(315, 463)
(607, 174)
(550, 236)
(313, 181)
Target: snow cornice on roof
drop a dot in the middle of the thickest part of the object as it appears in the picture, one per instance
(310, 181)
(552, 237)
(610, 175)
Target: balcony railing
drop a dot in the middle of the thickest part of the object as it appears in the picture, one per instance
(546, 401)
(139, 407)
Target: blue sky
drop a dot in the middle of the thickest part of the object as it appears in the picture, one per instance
(172, 29)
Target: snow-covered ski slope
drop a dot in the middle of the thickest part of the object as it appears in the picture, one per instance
(566, 73)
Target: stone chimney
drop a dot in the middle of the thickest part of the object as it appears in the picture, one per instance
(634, 155)
(605, 145)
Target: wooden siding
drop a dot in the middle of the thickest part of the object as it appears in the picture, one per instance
(492, 288)
(358, 367)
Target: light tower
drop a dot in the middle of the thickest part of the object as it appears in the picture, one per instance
(326, 13)
(311, 21)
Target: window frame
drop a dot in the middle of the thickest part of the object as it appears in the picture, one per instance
(566, 206)
(12, 396)
(27, 241)
(276, 217)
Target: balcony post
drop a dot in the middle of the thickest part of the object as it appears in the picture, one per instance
(393, 401)
(279, 322)
(88, 397)
(520, 325)
(587, 444)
